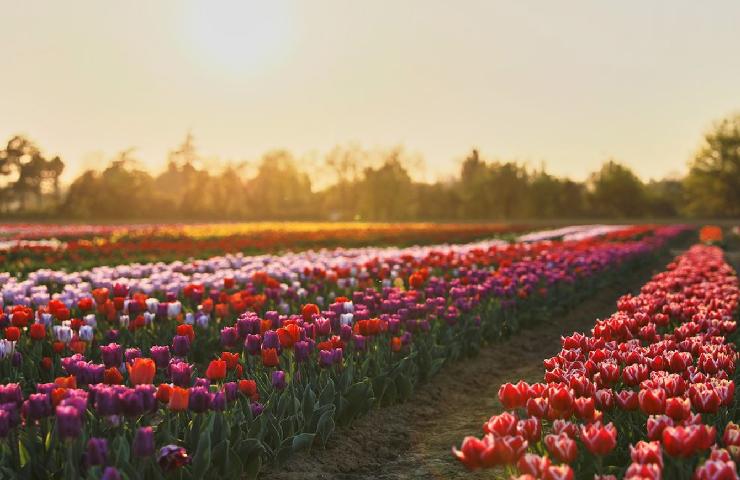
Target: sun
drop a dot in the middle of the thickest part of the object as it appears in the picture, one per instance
(240, 36)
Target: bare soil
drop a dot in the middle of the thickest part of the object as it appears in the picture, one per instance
(414, 439)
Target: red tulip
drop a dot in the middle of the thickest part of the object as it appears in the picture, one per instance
(584, 408)
(643, 471)
(537, 407)
(37, 331)
(731, 435)
(716, 470)
(510, 396)
(678, 408)
(656, 424)
(560, 398)
(627, 400)
(216, 370)
(533, 464)
(647, 452)
(599, 439)
(270, 357)
(559, 472)
(681, 441)
(501, 425)
(530, 429)
(470, 452)
(652, 401)
(561, 447)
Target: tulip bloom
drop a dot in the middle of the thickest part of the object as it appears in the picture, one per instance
(179, 399)
(270, 357)
(142, 371)
(681, 441)
(652, 401)
(510, 396)
(249, 389)
(143, 445)
(599, 439)
(561, 447)
(216, 370)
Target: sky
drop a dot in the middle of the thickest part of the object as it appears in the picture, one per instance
(569, 84)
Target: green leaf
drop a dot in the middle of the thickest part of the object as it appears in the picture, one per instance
(325, 426)
(23, 452)
(405, 387)
(307, 404)
(303, 441)
(202, 457)
(327, 394)
(253, 468)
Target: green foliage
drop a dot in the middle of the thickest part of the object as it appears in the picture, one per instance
(713, 183)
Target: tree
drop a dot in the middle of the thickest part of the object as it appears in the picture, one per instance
(616, 192)
(29, 176)
(713, 182)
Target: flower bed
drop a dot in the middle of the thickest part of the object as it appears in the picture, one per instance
(649, 394)
(85, 246)
(219, 365)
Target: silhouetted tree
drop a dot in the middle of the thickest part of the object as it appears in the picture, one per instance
(713, 182)
(616, 192)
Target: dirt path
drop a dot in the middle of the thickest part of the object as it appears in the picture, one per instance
(413, 440)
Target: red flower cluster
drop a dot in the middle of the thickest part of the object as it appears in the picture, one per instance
(656, 366)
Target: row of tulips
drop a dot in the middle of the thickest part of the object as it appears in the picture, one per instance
(220, 365)
(649, 394)
(99, 245)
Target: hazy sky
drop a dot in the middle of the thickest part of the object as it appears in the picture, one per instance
(569, 83)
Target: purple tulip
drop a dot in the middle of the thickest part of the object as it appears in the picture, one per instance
(143, 445)
(301, 350)
(180, 345)
(218, 402)
(253, 344)
(106, 401)
(171, 457)
(231, 391)
(148, 399)
(161, 355)
(111, 473)
(345, 332)
(229, 337)
(199, 400)
(360, 343)
(132, 354)
(326, 358)
(256, 408)
(180, 373)
(11, 393)
(270, 339)
(132, 404)
(17, 359)
(97, 451)
(69, 421)
(278, 380)
(37, 406)
(202, 382)
(5, 423)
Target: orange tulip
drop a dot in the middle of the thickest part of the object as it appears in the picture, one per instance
(112, 376)
(142, 371)
(179, 399)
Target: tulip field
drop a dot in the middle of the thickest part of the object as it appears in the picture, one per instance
(228, 364)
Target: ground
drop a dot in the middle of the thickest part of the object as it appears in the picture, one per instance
(413, 440)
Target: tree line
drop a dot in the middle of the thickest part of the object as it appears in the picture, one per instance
(364, 185)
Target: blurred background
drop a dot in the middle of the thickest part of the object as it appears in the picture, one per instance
(382, 111)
